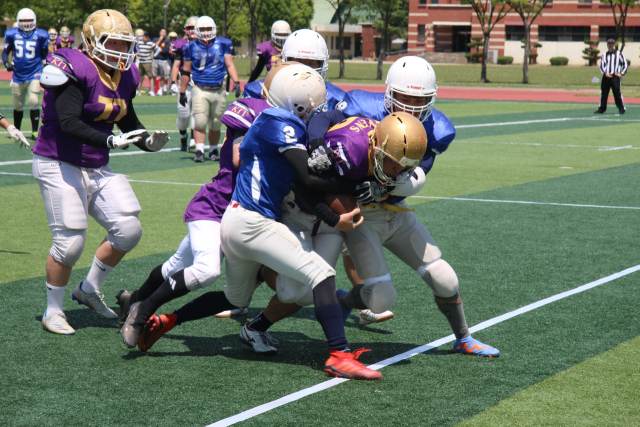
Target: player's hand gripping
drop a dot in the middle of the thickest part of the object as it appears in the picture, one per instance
(174, 89)
(369, 192)
(236, 89)
(123, 140)
(350, 220)
(18, 137)
(9, 66)
(183, 99)
(321, 159)
(157, 140)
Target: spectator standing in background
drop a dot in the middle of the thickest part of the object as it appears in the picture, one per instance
(145, 57)
(161, 69)
(612, 65)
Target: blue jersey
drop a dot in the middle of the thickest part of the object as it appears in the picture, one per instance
(334, 93)
(29, 49)
(207, 61)
(264, 176)
(360, 103)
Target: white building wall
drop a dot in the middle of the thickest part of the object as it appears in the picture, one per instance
(571, 50)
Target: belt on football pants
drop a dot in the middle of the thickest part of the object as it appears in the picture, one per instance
(391, 207)
(209, 87)
(234, 204)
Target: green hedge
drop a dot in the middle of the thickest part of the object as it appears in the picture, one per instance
(559, 60)
(505, 60)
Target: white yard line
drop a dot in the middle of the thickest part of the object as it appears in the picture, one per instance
(435, 344)
(526, 122)
(537, 144)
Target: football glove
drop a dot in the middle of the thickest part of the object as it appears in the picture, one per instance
(124, 139)
(18, 137)
(174, 89)
(321, 159)
(369, 192)
(157, 140)
(9, 66)
(183, 99)
(236, 89)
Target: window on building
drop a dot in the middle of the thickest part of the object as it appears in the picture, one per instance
(420, 33)
(3, 28)
(434, 1)
(346, 43)
(585, 1)
(563, 34)
(514, 32)
(632, 34)
(423, 2)
(237, 43)
(331, 42)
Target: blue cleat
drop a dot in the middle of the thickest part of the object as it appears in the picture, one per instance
(472, 346)
(345, 312)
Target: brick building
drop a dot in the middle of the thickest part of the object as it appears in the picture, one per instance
(447, 26)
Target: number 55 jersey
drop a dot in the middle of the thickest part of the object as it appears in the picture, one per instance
(28, 50)
(106, 100)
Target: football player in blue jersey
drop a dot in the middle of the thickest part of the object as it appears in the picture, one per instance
(309, 48)
(207, 60)
(29, 46)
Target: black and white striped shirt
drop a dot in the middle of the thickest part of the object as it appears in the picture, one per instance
(613, 62)
(146, 51)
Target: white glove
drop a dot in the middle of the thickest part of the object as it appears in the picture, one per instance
(157, 140)
(18, 137)
(124, 139)
(369, 192)
(321, 159)
(174, 89)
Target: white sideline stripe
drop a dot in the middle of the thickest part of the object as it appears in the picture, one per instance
(615, 148)
(164, 182)
(407, 354)
(526, 122)
(15, 173)
(133, 153)
(527, 202)
(537, 144)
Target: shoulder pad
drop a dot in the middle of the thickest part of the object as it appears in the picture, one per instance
(53, 77)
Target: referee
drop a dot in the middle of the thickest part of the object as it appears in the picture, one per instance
(612, 65)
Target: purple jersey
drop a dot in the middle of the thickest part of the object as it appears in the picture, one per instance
(106, 100)
(176, 47)
(62, 43)
(270, 53)
(213, 198)
(349, 140)
(53, 46)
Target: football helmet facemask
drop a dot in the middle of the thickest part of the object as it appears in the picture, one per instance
(53, 34)
(103, 26)
(26, 20)
(65, 33)
(205, 29)
(412, 76)
(280, 30)
(307, 44)
(190, 27)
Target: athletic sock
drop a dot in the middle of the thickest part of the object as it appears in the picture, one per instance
(213, 149)
(183, 138)
(205, 305)
(260, 323)
(453, 311)
(55, 296)
(150, 285)
(96, 276)
(17, 118)
(35, 119)
(172, 288)
(353, 299)
(329, 314)
(200, 147)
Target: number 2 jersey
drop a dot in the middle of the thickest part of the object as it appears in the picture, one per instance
(213, 198)
(106, 100)
(265, 174)
(28, 51)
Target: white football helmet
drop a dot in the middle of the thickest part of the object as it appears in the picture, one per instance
(53, 34)
(277, 30)
(295, 88)
(411, 76)
(26, 20)
(205, 29)
(307, 44)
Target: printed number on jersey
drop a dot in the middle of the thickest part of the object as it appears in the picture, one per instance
(29, 47)
(289, 135)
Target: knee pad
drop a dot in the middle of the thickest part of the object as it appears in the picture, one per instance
(18, 96)
(200, 112)
(290, 291)
(440, 277)
(68, 246)
(379, 294)
(182, 122)
(215, 125)
(125, 234)
(199, 278)
(33, 100)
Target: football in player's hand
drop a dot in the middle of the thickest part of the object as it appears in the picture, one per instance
(341, 204)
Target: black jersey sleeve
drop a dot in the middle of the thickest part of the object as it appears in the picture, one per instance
(258, 70)
(327, 182)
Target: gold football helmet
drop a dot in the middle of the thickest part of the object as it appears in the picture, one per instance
(53, 34)
(401, 137)
(65, 33)
(190, 27)
(107, 25)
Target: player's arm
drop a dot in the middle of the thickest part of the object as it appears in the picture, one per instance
(262, 62)
(5, 56)
(233, 73)
(320, 124)
(328, 182)
(186, 76)
(14, 133)
(238, 137)
(175, 70)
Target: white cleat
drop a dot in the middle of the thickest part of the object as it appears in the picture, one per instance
(234, 312)
(258, 340)
(57, 324)
(94, 301)
(367, 317)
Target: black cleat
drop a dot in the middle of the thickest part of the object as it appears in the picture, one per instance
(130, 331)
(624, 110)
(214, 156)
(598, 111)
(199, 157)
(123, 298)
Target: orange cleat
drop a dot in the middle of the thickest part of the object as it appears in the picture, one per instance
(156, 327)
(346, 365)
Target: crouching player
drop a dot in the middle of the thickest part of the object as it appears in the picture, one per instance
(86, 92)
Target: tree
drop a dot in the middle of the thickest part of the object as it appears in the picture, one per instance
(344, 9)
(254, 9)
(485, 11)
(590, 52)
(528, 10)
(387, 10)
(619, 8)
(297, 13)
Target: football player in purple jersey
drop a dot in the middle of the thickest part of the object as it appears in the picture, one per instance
(53, 38)
(270, 52)
(65, 39)
(85, 94)
(184, 112)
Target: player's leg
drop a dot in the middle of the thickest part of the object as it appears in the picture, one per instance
(605, 87)
(19, 92)
(412, 243)
(115, 207)
(33, 102)
(201, 104)
(182, 122)
(218, 108)
(65, 201)
(616, 82)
